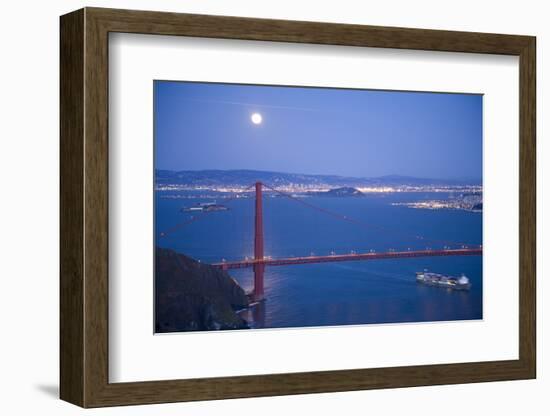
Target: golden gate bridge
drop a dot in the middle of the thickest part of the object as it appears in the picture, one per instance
(260, 261)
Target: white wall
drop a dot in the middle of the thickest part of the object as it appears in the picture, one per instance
(29, 207)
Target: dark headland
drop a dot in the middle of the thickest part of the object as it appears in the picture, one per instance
(192, 296)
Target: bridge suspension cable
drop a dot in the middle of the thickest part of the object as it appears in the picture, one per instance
(199, 216)
(325, 211)
(360, 223)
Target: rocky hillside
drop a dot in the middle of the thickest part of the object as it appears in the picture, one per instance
(191, 296)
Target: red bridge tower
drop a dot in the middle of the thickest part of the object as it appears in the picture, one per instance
(259, 267)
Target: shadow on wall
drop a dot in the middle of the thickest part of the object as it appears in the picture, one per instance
(51, 390)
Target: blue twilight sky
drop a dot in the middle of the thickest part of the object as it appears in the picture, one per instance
(317, 130)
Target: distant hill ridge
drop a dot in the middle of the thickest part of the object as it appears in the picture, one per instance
(246, 177)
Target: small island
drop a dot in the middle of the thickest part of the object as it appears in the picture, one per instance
(205, 207)
(345, 191)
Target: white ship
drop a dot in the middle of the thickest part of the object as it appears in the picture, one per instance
(440, 280)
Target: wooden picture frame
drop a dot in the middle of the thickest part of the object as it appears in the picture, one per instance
(84, 207)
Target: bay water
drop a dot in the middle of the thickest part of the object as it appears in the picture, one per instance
(343, 293)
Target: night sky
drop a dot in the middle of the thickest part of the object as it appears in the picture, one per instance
(361, 133)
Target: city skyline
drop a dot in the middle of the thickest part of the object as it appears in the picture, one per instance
(389, 175)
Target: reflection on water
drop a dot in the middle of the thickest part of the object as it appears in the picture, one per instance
(255, 315)
(368, 292)
(362, 292)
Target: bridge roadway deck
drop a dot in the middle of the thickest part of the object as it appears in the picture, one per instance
(348, 257)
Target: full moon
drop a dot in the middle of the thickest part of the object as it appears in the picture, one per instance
(256, 118)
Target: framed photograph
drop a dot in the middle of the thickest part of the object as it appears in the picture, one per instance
(255, 207)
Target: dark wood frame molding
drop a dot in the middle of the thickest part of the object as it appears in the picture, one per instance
(84, 207)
